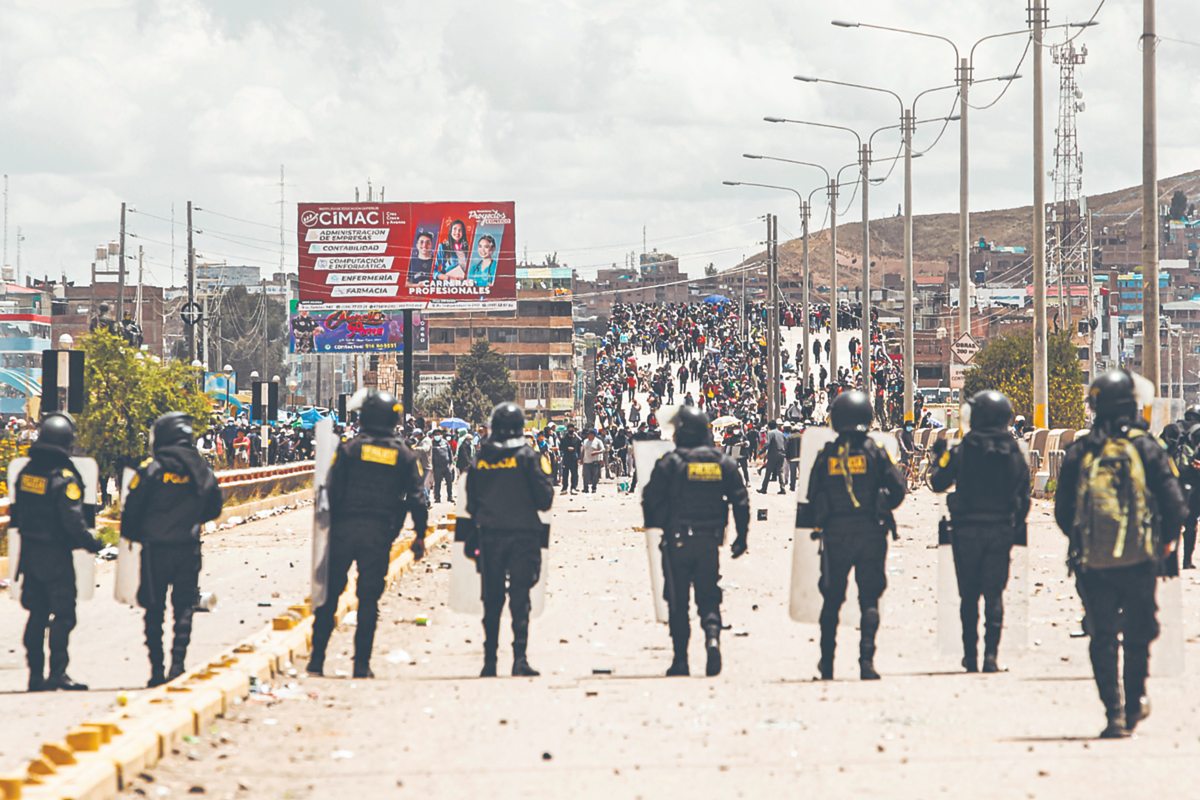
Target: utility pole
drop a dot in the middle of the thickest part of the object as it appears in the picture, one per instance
(805, 211)
(4, 262)
(1150, 339)
(772, 321)
(121, 271)
(137, 303)
(1041, 379)
(833, 279)
(865, 347)
(964, 217)
(191, 283)
(20, 238)
(266, 335)
(909, 367)
(204, 347)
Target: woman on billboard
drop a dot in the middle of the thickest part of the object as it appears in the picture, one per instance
(452, 253)
(483, 266)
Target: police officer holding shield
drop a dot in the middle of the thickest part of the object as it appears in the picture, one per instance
(688, 496)
(172, 495)
(375, 481)
(987, 516)
(48, 512)
(507, 486)
(853, 489)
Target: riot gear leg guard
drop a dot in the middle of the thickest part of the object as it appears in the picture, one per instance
(1103, 652)
(993, 626)
(35, 649)
(866, 646)
(1137, 667)
(968, 612)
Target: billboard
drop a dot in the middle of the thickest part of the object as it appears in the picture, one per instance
(408, 255)
(324, 328)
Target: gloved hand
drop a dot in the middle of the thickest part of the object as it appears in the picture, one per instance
(938, 448)
(739, 546)
(471, 550)
(94, 545)
(418, 548)
(815, 535)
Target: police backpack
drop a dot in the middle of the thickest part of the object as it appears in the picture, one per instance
(1114, 511)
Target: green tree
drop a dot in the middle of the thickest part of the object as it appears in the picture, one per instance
(238, 321)
(1005, 363)
(1179, 205)
(480, 382)
(125, 392)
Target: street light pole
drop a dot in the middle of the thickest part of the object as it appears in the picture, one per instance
(864, 359)
(964, 214)
(1150, 340)
(805, 212)
(1041, 379)
(909, 367)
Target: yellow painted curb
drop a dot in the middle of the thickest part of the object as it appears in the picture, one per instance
(99, 758)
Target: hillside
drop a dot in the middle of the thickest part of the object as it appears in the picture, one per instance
(935, 236)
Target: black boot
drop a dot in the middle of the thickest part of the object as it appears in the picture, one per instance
(993, 626)
(1137, 667)
(866, 646)
(316, 664)
(37, 668)
(712, 645)
(491, 643)
(322, 629)
(679, 665)
(968, 613)
(828, 645)
(489, 664)
(362, 670)
(521, 667)
(61, 682)
(37, 683)
(1104, 667)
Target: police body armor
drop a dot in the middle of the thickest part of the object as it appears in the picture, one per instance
(377, 483)
(852, 491)
(693, 505)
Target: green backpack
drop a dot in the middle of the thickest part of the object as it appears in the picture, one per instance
(1114, 511)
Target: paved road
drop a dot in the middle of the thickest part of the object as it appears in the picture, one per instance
(603, 722)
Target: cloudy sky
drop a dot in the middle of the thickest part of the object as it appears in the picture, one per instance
(596, 118)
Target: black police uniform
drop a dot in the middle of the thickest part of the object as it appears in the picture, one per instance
(172, 495)
(853, 488)
(1121, 600)
(507, 486)
(48, 512)
(688, 496)
(1188, 454)
(570, 445)
(374, 483)
(987, 516)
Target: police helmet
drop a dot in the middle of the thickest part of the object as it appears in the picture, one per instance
(990, 410)
(851, 411)
(1170, 433)
(508, 422)
(380, 413)
(172, 428)
(57, 430)
(691, 427)
(1111, 396)
(1192, 415)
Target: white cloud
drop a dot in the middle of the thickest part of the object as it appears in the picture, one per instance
(597, 118)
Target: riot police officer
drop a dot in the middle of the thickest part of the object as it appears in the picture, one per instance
(1120, 504)
(374, 483)
(853, 488)
(987, 515)
(507, 486)
(173, 493)
(48, 512)
(688, 496)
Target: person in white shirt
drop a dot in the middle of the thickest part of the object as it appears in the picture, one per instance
(592, 457)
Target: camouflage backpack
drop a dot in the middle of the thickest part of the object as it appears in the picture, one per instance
(1114, 510)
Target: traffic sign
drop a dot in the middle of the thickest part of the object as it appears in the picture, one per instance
(965, 348)
(190, 314)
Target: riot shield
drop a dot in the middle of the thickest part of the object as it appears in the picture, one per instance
(325, 443)
(886, 441)
(1167, 649)
(949, 622)
(129, 556)
(1016, 602)
(804, 596)
(645, 455)
(466, 596)
(84, 562)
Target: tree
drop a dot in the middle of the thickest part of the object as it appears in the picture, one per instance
(238, 321)
(125, 392)
(1006, 364)
(1179, 205)
(480, 382)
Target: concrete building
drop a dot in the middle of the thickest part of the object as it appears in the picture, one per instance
(76, 306)
(25, 331)
(656, 279)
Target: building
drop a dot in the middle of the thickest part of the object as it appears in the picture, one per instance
(536, 341)
(656, 279)
(25, 331)
(76, 306)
